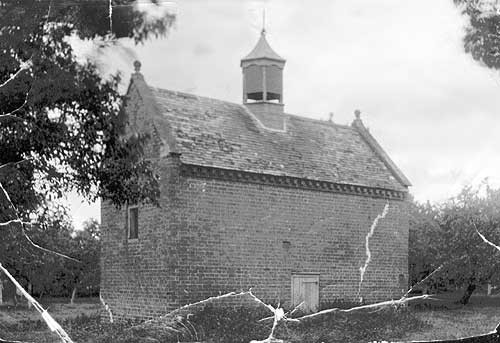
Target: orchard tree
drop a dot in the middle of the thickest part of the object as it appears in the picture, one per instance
(447, 236)
(461, 220)
(422, 249)
(86, 247)
(39, 270)
(61, 128)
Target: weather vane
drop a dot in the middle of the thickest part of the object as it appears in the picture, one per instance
(263, 20)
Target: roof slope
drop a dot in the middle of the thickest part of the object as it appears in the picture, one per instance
(263, 50)
(221, 134)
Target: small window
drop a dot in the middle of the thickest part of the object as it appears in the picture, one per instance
(133, 222)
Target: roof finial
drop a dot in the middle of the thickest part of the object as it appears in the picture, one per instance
(357, 113)
(137, 66)
(263, 32)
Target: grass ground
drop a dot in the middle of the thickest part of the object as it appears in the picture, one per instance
(447, 320)
(424, 323)
(23, 323)
(59, 308)
(456, 323)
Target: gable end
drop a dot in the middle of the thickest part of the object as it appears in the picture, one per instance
(384, 157)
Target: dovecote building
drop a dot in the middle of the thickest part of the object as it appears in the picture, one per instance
(254, 197)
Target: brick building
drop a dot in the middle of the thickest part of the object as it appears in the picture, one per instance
(253, 197)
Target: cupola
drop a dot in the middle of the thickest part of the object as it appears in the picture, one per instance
(263, 84)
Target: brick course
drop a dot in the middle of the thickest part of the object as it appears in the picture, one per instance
(211, 237)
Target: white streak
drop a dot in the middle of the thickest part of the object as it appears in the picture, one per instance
(210, 299)
(45, 249)
(11, 222)
(51, 322)
(11, 114)
(486, 240)
(111, 16)
(423, 280)
(279, 315)
(19, 221)
(22, 66)
(106, 307)
(362, 269)
(370, 306)
(11, 341)
(11, 164)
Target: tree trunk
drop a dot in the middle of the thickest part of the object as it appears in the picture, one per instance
(73, 296)
(468, 292)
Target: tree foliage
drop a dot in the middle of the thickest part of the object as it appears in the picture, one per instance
(86, 246)
(48, 273)
(66, 125)
(448, 235)
(422, 250)
(482, 36)
(61, 128)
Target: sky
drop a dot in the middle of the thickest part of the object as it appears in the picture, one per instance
(428, 103)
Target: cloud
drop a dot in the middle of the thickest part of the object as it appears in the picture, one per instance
(402, 63)
(201, 49)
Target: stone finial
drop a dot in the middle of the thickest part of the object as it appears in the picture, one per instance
(330, 117)
(357, 114)
(137, 66)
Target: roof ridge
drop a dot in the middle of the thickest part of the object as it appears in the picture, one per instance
(194, 96)
(242, 106)
(320, 121)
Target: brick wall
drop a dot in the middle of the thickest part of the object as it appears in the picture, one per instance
(212, 236)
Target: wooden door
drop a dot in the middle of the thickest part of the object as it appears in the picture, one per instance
(305, 290)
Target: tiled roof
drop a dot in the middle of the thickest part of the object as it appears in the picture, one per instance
(221, 134)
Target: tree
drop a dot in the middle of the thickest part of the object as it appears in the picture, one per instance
(46, 273)
(482, 37)
(422, 250)
(38, 269)
(66, 125)
(61, 127)
(86, 247)
(448, 236)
